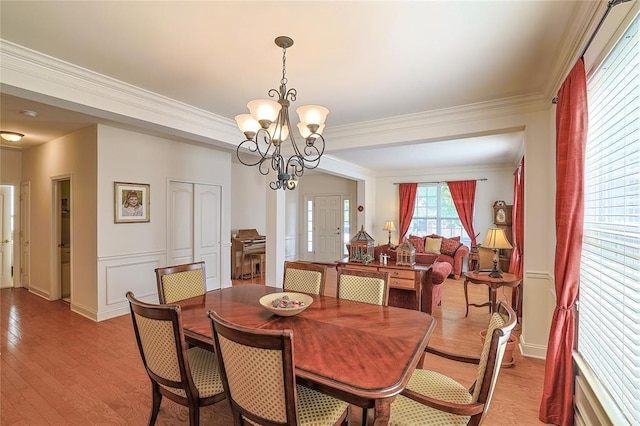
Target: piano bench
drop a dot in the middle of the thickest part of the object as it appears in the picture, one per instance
(257, 259)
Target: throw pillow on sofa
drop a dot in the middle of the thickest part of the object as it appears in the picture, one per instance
(449, 246)
(417, 243)
(433, 245)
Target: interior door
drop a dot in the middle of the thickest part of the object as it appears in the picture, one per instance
(6, 236)
(25, 234)
(180, 219)
(194, 227)
(327, 235)
(206, 236)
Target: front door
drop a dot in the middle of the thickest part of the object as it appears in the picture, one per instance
(328, 228)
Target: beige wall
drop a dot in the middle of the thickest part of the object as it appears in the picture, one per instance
(248, 198)
(72, 156)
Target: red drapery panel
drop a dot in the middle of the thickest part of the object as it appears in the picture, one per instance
(463, 193)
(517, 213)
(571, 135)
(407, 204)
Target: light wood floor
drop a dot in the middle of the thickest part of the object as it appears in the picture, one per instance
(60, 368)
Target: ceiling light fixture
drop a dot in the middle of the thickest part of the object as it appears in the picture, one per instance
(267, 127)
(11, 136)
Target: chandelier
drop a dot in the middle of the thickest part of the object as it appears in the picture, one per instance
(267, 127)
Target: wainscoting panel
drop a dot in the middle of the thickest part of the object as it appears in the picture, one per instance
(119, 274)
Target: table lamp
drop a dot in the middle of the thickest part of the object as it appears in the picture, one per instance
(389, 226)
(496, 239)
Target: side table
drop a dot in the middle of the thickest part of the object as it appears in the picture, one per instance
(507, 280)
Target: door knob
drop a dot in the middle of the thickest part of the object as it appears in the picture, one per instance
(5, 241)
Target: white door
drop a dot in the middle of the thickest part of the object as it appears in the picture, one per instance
(194, 227)
(6, 236)
(25, 234)
(327, 235)
(180, 219)
(206, 236)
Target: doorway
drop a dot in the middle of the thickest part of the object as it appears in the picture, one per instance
(62, 209)
(6, 235)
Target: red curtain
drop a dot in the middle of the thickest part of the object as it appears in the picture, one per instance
(516, 264)
(463, 193)
(571, 134)
(407, 204)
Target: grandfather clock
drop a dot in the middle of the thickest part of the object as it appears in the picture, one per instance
(502, 219)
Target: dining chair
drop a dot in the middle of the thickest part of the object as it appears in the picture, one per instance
(258, 374)
(189, 377)
(304, 277)
(181, 282)
(431, 398)
(363, 286)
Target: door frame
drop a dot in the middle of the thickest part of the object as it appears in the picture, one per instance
(25, 235)
(55, 257)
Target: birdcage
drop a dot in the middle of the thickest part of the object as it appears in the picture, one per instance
(361, 247)
(406, 254)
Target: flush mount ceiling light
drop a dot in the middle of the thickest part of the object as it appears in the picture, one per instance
(267, 127)
(11, 136)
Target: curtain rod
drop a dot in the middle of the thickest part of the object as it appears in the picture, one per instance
(610, 6)
(441, 181)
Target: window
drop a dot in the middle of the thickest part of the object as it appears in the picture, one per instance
(309, 226)
(609, 304)
(435, 213)
(346, 227)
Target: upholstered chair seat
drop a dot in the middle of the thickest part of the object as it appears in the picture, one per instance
(431, 398)
(205, 373)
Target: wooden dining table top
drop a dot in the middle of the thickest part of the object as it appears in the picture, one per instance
(358, 352)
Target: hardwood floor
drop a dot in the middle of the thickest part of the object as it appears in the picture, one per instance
(60, 368)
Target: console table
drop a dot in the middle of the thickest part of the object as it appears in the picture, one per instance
(405, 282)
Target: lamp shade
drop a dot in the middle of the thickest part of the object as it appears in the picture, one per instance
(496, 239)
(312, 114)
(389, 226)
(246, 123)
(266, 110)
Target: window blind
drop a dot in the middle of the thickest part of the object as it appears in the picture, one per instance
(609, 300)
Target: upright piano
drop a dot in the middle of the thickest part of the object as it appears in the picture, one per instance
(245, 243)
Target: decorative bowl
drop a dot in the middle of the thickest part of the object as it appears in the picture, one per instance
(305, 299)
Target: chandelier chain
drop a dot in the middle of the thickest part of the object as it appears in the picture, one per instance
(284, 80)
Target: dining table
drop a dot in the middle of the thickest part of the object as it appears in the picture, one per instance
(361, 353)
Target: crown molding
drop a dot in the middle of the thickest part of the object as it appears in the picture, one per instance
(413, 126)
(86, 91)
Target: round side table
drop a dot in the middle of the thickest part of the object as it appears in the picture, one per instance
(507, 280)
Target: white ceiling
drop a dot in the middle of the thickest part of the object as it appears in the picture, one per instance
(365, 61)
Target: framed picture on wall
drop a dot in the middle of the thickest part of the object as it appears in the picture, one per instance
(131, 202)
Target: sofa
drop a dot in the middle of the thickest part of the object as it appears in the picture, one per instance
(431, 249)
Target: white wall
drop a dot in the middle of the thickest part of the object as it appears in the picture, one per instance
(249, 198)
(11, 174)
(127, 253)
